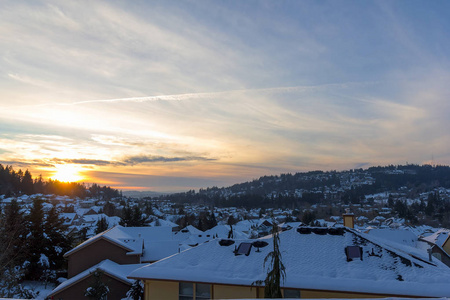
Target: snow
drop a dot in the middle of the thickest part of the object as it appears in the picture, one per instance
(39, 288)
(312, 262)
(153, 243)
(43, 261)
(438, 238)
(396, 235)
(108, 267)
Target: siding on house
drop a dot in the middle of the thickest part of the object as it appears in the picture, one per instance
(118, 289)
(446, 245)
(95, 253)
(168, 290)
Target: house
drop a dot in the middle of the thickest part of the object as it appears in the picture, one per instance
(113, 275)
(320, 263)
(122, 245)
(440, 245)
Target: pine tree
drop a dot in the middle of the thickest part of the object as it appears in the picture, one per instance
(35, 238)
(276, 271)
(27, 183)
(12, 236)
(127, 217)
(102, 225)
(98, 290)
(136, 291)
(56, 242)
(138, 218)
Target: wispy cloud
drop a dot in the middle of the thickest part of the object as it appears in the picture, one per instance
(223, 90)
(153, 159)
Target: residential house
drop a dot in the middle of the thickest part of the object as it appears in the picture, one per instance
(440, 245)
(123, 245)
(114, 276)
(320, 263)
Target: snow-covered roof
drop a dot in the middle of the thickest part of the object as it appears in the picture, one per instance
(221, 231)
(133, 239)
(107, 266)
(162, 222)
(438, 238)
(402, 236)
(312, 261)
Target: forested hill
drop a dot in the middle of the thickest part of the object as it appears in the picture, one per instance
(317, 186)
(13, 183)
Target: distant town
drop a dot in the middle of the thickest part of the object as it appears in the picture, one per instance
(56, 236)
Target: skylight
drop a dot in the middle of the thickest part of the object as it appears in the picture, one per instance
(244, 248)
(353, 252)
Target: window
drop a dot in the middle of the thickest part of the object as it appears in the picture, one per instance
(202, 291)
(437, 255)
(194, 291)
(293, 294)
(186, 291)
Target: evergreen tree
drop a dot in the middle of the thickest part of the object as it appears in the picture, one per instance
(138, 219)
(136, 291)
(308, 218)
(213, 221)
(56, 241)
(132, 217)
(27, 183)
(127, 217)
(98, 290)
(276, 271)
(109, 209)
(35, 238)
(102, 225)
(429, 210)
(12, 236)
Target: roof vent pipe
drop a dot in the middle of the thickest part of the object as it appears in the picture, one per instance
(430, 257)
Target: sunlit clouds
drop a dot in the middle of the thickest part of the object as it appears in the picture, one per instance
(173, 96)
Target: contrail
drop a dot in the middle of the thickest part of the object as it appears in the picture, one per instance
(180, 97)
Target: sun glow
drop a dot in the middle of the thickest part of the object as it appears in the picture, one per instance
(67, 173)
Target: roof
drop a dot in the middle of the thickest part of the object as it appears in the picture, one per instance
(438, 238)
(132, 239)
(109, 267)
(312, 261)
(403, 236)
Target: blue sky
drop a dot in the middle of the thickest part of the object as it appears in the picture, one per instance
(174, 95)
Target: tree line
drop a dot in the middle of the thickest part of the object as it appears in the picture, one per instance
(13, 183)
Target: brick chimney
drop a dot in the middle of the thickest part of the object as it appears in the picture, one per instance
(349, 218)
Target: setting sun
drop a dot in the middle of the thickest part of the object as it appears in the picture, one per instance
(67, 173)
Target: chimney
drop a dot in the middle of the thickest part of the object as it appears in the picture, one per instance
(349, 218)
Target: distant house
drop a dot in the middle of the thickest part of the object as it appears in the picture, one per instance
(123, 245)
(320, 263)
(439, 245)
(113, 275)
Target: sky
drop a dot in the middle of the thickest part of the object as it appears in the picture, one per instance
(179, 95)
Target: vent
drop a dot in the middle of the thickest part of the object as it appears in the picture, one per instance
(353, 252)
(320, 230)
(259, 244)
(304, 230)
(226, 243)
(243, 249)
(336, 231)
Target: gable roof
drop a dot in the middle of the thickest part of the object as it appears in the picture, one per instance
(438, 238)
(107, 266)
(132, 239)
(312, 261)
